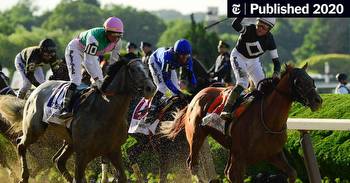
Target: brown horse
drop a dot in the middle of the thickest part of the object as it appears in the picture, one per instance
(99, 127)
(260, 132)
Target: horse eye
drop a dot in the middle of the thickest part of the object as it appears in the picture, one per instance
(296, 82)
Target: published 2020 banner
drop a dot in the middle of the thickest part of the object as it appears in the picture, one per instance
(282, 8)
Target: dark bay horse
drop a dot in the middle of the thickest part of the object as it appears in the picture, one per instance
(99, 126)
(260, 132)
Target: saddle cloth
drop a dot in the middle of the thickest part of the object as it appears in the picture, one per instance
(212, 117)
(52, 108)
(54, 105)
(137, 124)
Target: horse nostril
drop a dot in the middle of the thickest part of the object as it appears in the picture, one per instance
(319, 100)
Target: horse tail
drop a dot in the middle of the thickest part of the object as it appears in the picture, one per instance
(171, 129)
(11, 113)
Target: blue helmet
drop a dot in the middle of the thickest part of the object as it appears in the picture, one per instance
(183, 47)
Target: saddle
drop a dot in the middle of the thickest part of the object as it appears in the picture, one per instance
(79, 97)
(53, 106)
(213, 119)
(137, 124)
(240, 105)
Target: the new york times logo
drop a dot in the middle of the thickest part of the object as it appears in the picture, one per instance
(236, 9)
(279, 8)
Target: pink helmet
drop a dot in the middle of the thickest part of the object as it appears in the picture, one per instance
(114, 24)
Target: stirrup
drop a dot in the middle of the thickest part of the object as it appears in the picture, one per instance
(228, 126)
(149, 120)
(65, 115)
(227, 116)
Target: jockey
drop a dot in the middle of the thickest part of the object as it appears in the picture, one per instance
(221, 70)
(29, 64)
(341, 87)
(254, 40)
(86, 49)
(162, 64)
(146, 49)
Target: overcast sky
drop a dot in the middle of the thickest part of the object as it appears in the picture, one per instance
(183, 6)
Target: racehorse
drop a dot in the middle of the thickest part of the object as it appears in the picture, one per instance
(171, 154)
(260, 132)
(98, 127)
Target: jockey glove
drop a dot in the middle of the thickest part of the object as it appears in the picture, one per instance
(276, 75)
(98, 83)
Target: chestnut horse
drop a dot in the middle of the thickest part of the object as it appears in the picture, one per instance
(260, 132)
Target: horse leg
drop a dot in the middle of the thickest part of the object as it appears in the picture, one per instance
(58, 153)
(227, 166)
(80, 166)
(65, 152)
(196, 143)
(104, 171)
(236, 170)
(280, 161)
(116, 160)
(31, 132)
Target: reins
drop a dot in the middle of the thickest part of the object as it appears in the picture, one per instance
(267, 129)
(134, 87)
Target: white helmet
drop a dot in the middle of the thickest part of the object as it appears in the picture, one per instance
(268, 21)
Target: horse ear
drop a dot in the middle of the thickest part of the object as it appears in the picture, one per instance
(305, 66)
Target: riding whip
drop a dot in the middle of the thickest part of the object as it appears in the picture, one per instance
(215, 23)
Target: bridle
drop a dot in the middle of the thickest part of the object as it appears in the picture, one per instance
(295, 93)
(134, 84)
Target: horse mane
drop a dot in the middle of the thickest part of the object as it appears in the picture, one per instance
(268, 85)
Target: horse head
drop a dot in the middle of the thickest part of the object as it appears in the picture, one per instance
(132, 78)
(302, 87)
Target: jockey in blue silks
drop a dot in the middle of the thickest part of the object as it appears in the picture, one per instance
(163, 64)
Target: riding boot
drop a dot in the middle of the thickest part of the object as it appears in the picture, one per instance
(154, 108)
(21, 94)
(226, 114)
(66, 112)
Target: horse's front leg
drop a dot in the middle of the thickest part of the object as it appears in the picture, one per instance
(227, 166)
(280, 161)
(116, 160)
(236, 170)
(80, 166)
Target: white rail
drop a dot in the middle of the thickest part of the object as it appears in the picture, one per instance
(306, 124)
(318, 124)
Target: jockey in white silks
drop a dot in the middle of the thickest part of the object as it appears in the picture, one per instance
(253, 41)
